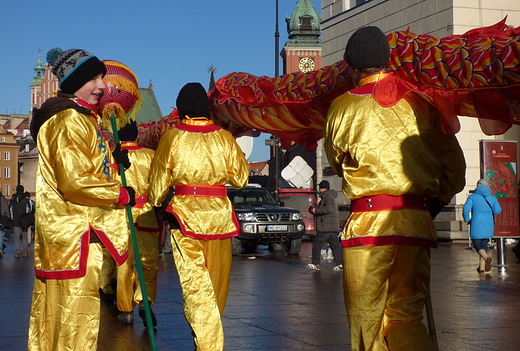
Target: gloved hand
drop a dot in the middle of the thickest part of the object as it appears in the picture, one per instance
(160, 213)
(121, 156)
(435, 207)
(131, 195)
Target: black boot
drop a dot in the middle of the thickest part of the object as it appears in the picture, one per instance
(142, 314)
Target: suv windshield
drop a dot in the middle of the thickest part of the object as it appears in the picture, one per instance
(250, 197)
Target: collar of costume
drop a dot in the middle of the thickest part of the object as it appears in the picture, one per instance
(85, 104)
(195, 125)
(130, 145)
(367, 83)
(51, 107)
(387, 88)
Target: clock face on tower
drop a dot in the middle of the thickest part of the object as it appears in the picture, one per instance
(306, 64)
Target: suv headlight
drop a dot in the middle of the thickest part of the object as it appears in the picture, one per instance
(246, 216)
(296, 216)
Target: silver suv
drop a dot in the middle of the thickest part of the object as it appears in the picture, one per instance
(263, 221)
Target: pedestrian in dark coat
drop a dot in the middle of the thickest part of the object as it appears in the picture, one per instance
(19, 206)
(327, 227)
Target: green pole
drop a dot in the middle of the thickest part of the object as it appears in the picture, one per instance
(147, 311)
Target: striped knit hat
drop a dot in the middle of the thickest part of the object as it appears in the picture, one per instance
(75, 67)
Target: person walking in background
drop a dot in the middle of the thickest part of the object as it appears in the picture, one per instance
(32, 206)
(327, 227)
(479, 212)
(396, 164)
(80, 197)
(198, 158)
(20, 205)
(5, 218)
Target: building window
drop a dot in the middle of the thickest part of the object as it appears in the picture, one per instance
(305, 21)
(2, 139)
(6, 190)
(27, 147)
(7, 172)
(7, 156)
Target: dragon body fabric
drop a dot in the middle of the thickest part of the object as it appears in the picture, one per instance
(476, 74)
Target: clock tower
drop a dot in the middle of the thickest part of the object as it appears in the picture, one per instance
(302, 52)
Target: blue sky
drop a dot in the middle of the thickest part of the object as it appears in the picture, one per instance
(169, 43)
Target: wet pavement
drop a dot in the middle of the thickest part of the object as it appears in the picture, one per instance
(276, 303)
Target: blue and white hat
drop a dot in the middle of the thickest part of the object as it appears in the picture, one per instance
(75, 67)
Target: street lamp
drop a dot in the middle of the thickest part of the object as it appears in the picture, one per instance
(276, 74)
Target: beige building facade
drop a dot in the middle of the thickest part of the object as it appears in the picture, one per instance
(440, 18)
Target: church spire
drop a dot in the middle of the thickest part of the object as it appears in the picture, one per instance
(303, 26)
(39, 70)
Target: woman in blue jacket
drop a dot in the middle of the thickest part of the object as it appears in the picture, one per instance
(478, 212)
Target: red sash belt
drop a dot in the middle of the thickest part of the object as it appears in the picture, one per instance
(389, 202)
(141, 200)
(201, 190)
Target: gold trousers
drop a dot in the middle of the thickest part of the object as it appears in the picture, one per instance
(128, 287)
(204, 268)
(385, 290)
(65, 313)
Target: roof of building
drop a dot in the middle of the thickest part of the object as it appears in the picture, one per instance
(150, 110)
(303, 26)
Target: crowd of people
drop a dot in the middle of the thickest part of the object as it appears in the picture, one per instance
(82, 241)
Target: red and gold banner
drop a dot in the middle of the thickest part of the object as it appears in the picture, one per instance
(498, 166)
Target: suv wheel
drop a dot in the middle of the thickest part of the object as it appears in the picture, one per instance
(249, 246)
(236, 246)
(293, 246)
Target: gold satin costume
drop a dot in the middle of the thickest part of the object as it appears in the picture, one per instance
(392, 150)
(196, 153)
(77, 186)
(147, 234)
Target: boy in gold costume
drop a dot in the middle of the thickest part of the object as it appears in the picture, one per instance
(198, 158)
(395, 162)
(78, 192)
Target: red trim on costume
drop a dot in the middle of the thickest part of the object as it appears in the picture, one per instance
(124, 197)
(85, 104)
(201, 190)
(389, 202)
(70, 273)
(120, 259)
(140, 201)
(367, 89)
(130, 145)
(386, 240)
(147, 229)
(206, 128)
(193, 235)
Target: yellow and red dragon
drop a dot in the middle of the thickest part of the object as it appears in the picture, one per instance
(476, 74)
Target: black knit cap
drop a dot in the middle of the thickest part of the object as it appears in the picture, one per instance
(193, 101)
(75, 67)
(324, 184)
(367, 48)
(130, 132)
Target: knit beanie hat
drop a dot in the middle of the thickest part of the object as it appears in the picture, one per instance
(75, 67)
(130, 132)
(193, 101)
(324, 184)
(482, 182)
(367, 48)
